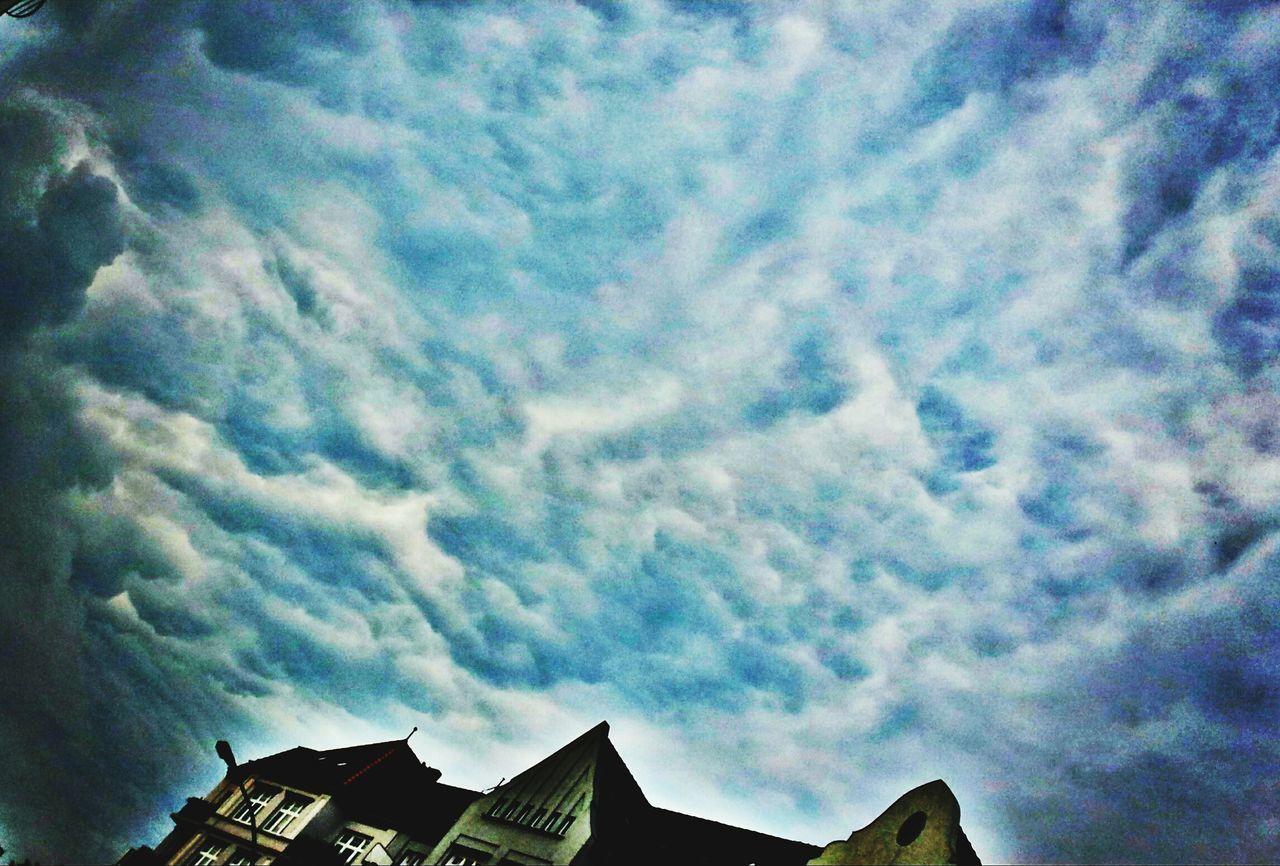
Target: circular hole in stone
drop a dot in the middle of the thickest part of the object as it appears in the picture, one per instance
(911, 828)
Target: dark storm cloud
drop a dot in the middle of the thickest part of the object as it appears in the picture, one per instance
(288, 42)
(51, 250)
(1249, 326)
(59, 226)
(1195, 132)
(1208, 673)
(991, 49)
(884, 386)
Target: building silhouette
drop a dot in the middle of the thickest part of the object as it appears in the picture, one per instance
(378, 804)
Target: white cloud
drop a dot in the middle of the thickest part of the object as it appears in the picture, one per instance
(525, 362)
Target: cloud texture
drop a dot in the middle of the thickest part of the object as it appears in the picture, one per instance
(885, 388)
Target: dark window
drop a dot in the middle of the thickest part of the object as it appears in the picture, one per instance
(912, 828)
(461, 855)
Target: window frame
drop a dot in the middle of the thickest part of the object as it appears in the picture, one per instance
(346, 847)
(461, 855)
(212, 850)
(259, 796)
(291, 798)
(525, 814)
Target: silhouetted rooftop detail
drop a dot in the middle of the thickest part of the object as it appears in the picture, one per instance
(381, 783)
(921, 826)
(578, 805)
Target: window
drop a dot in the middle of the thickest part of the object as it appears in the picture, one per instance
(349, 844)
(524, 814)
(283, 817)
(207, 854)
(517, 858)
(413, 858)
(259, 797)
(241, 857)
(460, 855)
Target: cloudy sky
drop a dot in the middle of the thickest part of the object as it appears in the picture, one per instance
(834, 396)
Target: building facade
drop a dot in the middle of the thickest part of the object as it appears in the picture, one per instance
(378, 804)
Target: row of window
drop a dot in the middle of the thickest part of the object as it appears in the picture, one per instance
(526, 815)
(461, 855)
(349, 843)
(208, 854)
(281, 819)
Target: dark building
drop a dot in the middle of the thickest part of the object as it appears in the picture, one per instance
(378, 804)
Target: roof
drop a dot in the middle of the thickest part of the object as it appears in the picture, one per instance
(383, 784)
(688, 838)
(573, 770)
(625, 826)
(325, 772)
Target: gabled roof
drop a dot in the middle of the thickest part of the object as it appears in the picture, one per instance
(382, 784)
(625, 827)
(326, 772)
(385, 785)
(587, 763)
(583, 781)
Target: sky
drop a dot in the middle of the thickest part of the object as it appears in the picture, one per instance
(834, 396)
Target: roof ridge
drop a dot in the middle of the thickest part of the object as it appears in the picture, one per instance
(591, 736)
(375, 762)
(731, 826)
(362, 746)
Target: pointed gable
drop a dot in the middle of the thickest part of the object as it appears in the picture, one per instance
(567, 806)
(568, 786)
(380, 784)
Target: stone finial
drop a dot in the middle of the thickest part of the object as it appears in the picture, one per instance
(922, 826)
